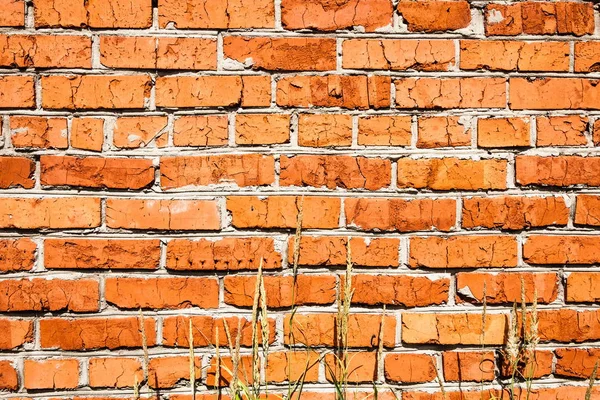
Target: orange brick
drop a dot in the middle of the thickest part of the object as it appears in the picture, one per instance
(443, 132)
(398, 55)
(200, 130)
(97, 172)
(432, 16)
(450, 93)
(281, 291)
(128, 52)
(243, 170)
(95, 333)
(361, 367)
(370, 16)
(540, 249)
(557, 171)
(463, 252)
(16, 91)
(282, 212)
(553, 93)
(162, 293)
(8, 376)
(562, 131)
(399, 290)
(452, 173)
(17, 172)
(469, 366)
(213, 91)
(332, 251)
(162, 214)
(452, 329)
(587, 211)
(514, 212)
(293, 366)
(282, 54)
(166, 372)
(260, 129)
(87, 133)
(577, 363)
(503, 132)
(575, 18)
(93, 13)
(49, 295)
(45, 51)
(383, 130)
(567, 392)
(17, 333)
(503, 19)
(389, 214)
(186, 53)
(537, 364)
(225, 366)
(569, 326)
(89, 92)
(586, 57)
(101, 254)
(582, 287)
(505, 288)
(17, 254)
(226, 254)
(410, 368)
(51, 374)
(347, 172)
(50, 213)
(324, 130)
(352, 92)
(134, 132)
(214, 14)
(502, 55)
(13, 13)
(39, 132)
(319, 330)
(114, 372)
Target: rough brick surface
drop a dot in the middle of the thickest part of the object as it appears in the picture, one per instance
(155, 155)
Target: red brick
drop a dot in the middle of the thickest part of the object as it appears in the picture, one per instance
(399, 290)
(16, 91)
(13, 13)
(324, 130)
(450, 93)
(505, 288)
(213, 91)
(39, 132)
(281, 290)
(200, 130)
(97, 172)
(361, 367)
(569, 326)
(95, 333)
(389, 214)
(434, 15)
(570, 249)
(214, 14)
(559, 171)
(114, 372)
(51, 374)
(134, 132)
(410, 368)
(452, 173)
(50, 213)
(463, 252)
(244, 170)
(93, 13)
(261, 129)
(17, 172)
(162, 214)
(101, 254)
(577, 363)
(469, 366)
(245, 373)
(562, 131)
(162, 293)
(586, 57)
(128, 52)
(587, 211)
(17, 332)
(87, 134)
(502, 55)
(293, 366)
(353, 92)
(318, 330)
(9, 379)
(17, 254)
(503, 132)
(514, 212)
(45, 51)
(186, 53)
(166, 372)
(89, 92)
(582, 287)
(537, 364)
(282, 54)
(282, 212)
(49, 295)
(566, 392)
(332, 251)
(554, 93)
(451, 329)
(443, 132)
(331, 16)
(384, 130)
(346, 172)
(398, 55)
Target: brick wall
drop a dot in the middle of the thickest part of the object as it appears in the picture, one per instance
(153, 152)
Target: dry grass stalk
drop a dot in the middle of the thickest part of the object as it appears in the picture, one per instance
(192, 360)
(590, 388)
(254, 322)
(144, 344)
(379, 364)
(264, 320)
(218, 359)
(136, 388)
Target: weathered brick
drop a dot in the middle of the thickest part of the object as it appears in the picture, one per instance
(383, 130)
(410, 368)
(293, 366)
(443, 132)
(116, 372)
(568, 326)
(45, 51)
(468, 366)
(562, 131)
(17, 172)
(49, 213)
(586, 57)
(324, 130)
(9, 379)
(134, 132)
(262, 129)
(561, 171)
(166, 372)
(553, 93)
(13, 13)
(361, 367)
(436, 15)
(200, 130)
(582, 287)
(51, 374)
(587, 211)
(505, 288)
(17, 254)
(39, 132)
(87, 134)
(503, 132)
(16, 91)
(399, 290)
(17, 332)
(574, 362)
(542, 249)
